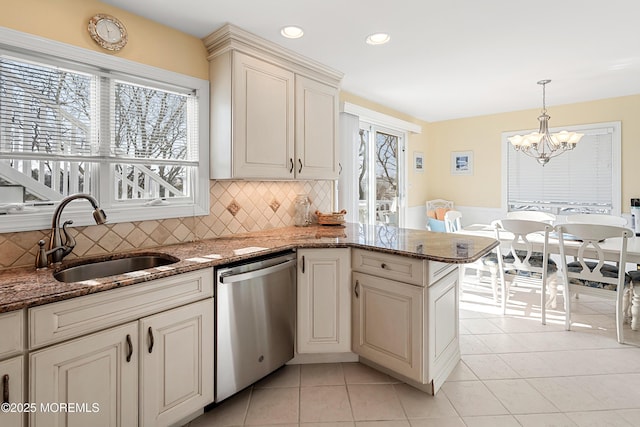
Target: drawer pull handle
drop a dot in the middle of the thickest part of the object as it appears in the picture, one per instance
(300, 162)
(356, 289)
(291, 161)
(383, 265)
(129, 348)
(5, 388)
(302, 264)
(151, 340)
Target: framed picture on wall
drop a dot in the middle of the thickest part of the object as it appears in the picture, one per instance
(462, 163)
(418, 161)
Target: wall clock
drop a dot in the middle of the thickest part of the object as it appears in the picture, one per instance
(108, 32)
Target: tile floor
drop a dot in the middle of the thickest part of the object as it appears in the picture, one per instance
(514, 372)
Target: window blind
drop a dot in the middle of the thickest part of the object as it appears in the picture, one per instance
(580, 180)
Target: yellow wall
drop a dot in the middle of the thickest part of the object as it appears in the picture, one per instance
(482, 135)
(149, 42)
(417, 182)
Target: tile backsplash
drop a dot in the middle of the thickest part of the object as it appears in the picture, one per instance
(235, 207)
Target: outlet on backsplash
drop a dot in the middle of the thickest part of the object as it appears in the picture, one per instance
(235, 207)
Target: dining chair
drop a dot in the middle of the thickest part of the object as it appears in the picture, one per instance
(600, 219)
(452, 221)
(521, 260)
(532, 216)
(589, 273)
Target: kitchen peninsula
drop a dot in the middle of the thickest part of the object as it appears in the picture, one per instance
(383, 295)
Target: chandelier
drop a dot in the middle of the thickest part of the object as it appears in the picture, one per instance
(542, 145)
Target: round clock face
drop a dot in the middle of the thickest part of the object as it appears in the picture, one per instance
(108, 32)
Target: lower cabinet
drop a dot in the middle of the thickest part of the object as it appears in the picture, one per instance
(12, 391)
(324, 306)
(408, 330)
(151, 372)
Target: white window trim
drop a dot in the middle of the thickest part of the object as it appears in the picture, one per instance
(78, 211)
(616, 154)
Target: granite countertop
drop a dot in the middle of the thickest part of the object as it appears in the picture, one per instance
(28, 287)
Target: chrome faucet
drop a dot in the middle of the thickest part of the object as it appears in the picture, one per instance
(58, 250)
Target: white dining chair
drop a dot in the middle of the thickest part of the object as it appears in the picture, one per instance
(532, 216)
(520, 260)
(589, 273)
(600, 219)
(452, 221)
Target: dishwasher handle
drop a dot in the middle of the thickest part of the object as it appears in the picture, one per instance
(230, 278)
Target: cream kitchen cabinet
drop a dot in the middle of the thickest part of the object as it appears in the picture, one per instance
(154, 367)
(407, 328)
(273, 113)
(12, 389)
(12, 372)
(324, 301)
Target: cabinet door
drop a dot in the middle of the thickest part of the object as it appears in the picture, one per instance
(324, 306)
(176, 363)
(388, 324)
(316, 130)
(263, 119)
(444, 347)
(12, 391)
(98, 374)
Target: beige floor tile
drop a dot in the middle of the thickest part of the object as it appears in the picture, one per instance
(418, 404)
(382, 424)
(273, 406)
(632, 416)
(492, 421)
(230, 412)
(321, 374)
(324, 403)
(438, 422)
(569, 394)
(377, 402)
(357, 373)
(545, 420)
(598, 418)
(287, 376)
(473, 398)
(480, 326)
(489, 367)
(519, 397)
(333, 424)
(504, 343)
(462, 373)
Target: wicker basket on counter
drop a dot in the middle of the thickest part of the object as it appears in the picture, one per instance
(333, 218)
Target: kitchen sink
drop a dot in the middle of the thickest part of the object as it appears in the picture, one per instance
(93, 269)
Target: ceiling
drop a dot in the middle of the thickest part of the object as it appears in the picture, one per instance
(446, 59)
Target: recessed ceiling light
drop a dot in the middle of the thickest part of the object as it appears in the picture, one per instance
(292, 32)
(378, 38)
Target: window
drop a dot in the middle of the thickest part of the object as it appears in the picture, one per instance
(584, 180)
(135, 143)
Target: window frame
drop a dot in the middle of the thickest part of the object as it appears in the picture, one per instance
(614, 128)
(34, 47)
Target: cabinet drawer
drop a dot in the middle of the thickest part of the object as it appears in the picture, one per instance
(11, 333)
(395, 267)
(437, 270)
(79, 316)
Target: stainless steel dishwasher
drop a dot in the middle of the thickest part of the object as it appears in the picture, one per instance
(255, 315)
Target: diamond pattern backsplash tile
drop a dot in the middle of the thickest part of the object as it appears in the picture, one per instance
(235, 207)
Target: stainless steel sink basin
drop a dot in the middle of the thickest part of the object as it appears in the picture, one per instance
(88, 269)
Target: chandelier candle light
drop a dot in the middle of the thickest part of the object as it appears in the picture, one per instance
(542, 145)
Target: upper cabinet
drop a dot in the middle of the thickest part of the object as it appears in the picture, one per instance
(274, 113)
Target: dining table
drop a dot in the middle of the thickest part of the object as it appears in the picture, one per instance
(610, 248)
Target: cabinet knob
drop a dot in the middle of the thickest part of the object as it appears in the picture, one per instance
(383, 265)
